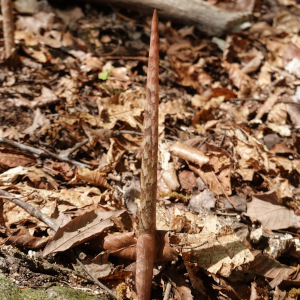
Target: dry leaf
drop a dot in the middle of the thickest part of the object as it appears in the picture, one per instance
(216, 249)
(241, 80)
(80, 230)
(96, 177)
(21, 238)
(272, 217)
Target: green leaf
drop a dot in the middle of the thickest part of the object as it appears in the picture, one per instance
(105, 75)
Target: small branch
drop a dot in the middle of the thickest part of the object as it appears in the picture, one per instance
(65, 154)
(264, 100)
(119, 132)
(39, 152)
(33, 211)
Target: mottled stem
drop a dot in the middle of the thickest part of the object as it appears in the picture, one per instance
(147, 213)
(8, 27)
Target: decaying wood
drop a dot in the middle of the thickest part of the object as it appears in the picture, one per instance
(145, 249)
(209, 18)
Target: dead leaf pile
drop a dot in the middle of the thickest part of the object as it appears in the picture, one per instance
(71, 115)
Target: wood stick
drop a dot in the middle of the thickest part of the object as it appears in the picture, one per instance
(45, 153)
(145, 250)
(210, 19)
(33, 211)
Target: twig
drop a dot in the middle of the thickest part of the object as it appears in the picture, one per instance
(12, 197)
(264, 100)
(65, 154)
(45, 152)
(95, 280)
(168, 290)
(118, 132)
(141, 58)
(33, 211)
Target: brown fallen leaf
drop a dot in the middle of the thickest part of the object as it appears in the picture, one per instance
(10, 158)
(22, 238)
(99, 270)
(241, 80)
(270, 268)
(123, 245)
(95, 177)
(80, 230)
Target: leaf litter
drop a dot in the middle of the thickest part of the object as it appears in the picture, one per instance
(228, 203)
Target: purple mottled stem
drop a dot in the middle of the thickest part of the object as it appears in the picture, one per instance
(147, 215)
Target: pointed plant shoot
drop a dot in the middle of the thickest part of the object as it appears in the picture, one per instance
(146, 251)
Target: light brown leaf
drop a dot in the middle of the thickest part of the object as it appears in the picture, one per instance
(287, 22)
(272, 217)
(95, 177)
(99, 270)
(217, 249)
(241, 80)
(37, 177)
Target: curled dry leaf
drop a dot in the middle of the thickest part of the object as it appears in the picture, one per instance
(170, 178)
(254, 63)
(267, 106)
(189, 153)
(287, 22)
(241, 80)
(95, 177)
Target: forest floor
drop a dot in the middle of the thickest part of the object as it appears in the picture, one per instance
(71, 126)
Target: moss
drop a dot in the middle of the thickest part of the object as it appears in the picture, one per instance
(9, 291)
(34, 294)
(67, 293)
(294, 293)
(58, 293)
(121, 291)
